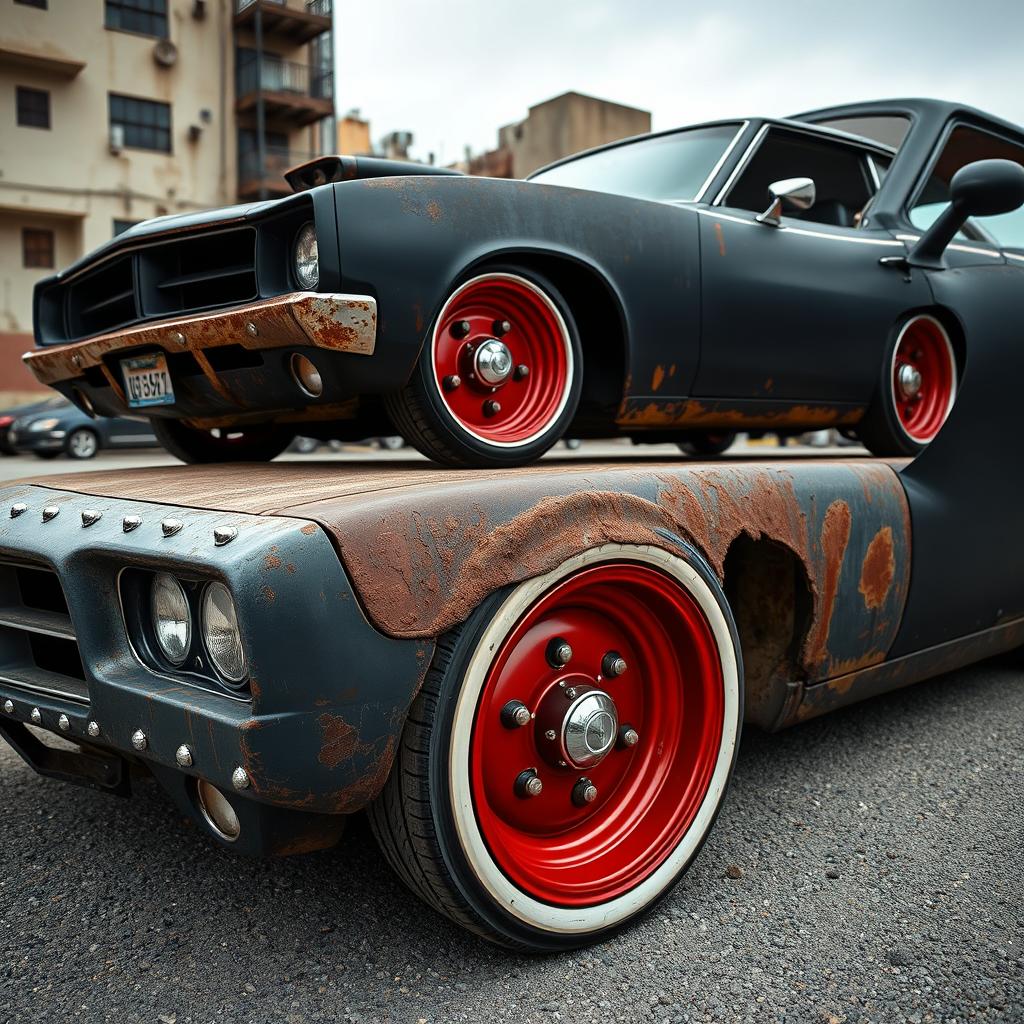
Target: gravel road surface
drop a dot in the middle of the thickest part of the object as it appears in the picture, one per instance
(878, 855)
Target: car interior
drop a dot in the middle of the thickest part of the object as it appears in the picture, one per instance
(841, 174)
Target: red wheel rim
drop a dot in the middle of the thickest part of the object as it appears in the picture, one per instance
(671, 693)
(521, 407)
(923, 378)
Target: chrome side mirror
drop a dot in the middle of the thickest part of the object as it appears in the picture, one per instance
(788, 194)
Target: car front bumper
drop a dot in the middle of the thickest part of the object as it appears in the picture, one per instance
(315, 738)
(37, 440)
(225, 364)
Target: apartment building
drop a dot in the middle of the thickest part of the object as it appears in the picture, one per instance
(114, 111)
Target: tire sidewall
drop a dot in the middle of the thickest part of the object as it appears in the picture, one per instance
(512, 928)
(454, 436)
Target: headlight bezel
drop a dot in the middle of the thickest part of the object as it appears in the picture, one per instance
(213, 589)
(309, 281)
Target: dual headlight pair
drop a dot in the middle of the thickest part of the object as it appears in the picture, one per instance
(172, 625)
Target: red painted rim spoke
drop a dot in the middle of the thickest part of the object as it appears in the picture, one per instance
(515, 312)
(925, 354)
(672, 693)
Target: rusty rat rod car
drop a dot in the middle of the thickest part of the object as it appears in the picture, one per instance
(533, 679)
(737, 275)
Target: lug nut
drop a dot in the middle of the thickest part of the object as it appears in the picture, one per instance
(559, 653)
(501, 327)
(549, 735)
(460, 328)
(515, 714)
(492, 408)
(451, 382)
(584, 792)
(528, 784)
(628, 736)
(521, 372)
(613, 664)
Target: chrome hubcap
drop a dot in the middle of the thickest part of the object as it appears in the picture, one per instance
(492, 362)
(589, 729)
(83, 444)
(909, 378)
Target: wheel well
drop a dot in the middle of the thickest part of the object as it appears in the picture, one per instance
(598, 318)
(769, 594)
(951, 323)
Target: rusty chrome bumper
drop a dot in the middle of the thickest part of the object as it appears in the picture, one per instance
(332, 321)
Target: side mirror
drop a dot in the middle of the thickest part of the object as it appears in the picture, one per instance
(981, 189)
(788, 194)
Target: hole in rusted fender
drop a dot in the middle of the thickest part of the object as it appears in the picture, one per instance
(770, 596)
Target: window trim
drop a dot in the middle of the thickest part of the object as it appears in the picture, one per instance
(863, 146)
(24, 248)
(18, 90)
(144, 99)
(134, 31)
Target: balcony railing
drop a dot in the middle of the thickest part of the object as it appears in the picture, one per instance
(284, 76)
(252, 175)
(318, 7)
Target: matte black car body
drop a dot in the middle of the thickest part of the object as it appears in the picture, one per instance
(65, 422)
(691, 315)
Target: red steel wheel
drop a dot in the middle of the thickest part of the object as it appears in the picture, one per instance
(924, 378)
(562, 850)
(502, 359)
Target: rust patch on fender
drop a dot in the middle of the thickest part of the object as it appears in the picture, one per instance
(878, 570)
(658, 378)
(338, 740)
(720, 235)
(835, 535)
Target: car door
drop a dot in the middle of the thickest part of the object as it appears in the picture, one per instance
(802, 311)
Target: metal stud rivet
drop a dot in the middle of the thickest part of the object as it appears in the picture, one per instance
(90, 516)
(550, 734)
(251, 329)
(528, 784)
(178, 337)
(559, 653)
(76, 359)
(130, 523)
(224, 535)
(50, 512)
(64, 723)
(613, 664)
(183, 756)
(570, 692)
(36, 716)
(240, 778)
(169, 527)
(9, 706)
(18, 508)
(93, 729)
(515, 714)
(584, 792)
(139, 741)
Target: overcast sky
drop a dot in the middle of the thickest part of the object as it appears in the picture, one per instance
(452, 71)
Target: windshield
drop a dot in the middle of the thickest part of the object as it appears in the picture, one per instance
(663, 167)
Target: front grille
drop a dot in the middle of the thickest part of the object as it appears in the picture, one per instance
(102, 299)
(38, 649)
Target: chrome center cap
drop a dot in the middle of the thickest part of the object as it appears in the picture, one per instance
(589, 729)
(909, 378)
(492, 362)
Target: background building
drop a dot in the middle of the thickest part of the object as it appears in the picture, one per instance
(114, 111)
(556, 128)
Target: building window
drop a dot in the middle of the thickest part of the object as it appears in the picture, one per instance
(37, 248)
(144, 123)
(147, 17)
(41, 4)
(33, 107)
(121, 226)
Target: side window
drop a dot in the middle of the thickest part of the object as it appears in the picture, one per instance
(964, 146)
(841, 174)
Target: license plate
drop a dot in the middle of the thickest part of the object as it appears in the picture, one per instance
(147, 381)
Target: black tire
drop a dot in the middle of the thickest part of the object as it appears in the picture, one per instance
(881, 431)
(251, 444)
(46, 456)
(421, 416)
(413, 819)
(708, 443)
(82, 443)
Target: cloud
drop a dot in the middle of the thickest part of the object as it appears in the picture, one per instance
(453, 72)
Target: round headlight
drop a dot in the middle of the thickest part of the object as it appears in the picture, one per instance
(172, 620)
(220, 633)
(307, 257)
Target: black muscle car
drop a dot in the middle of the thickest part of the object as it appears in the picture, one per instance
(741, 274)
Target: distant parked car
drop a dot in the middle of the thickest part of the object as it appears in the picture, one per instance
(63, 429)
(8, 416)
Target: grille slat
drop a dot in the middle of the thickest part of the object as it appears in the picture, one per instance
(206, 275)
(102, 299)
(38, 649)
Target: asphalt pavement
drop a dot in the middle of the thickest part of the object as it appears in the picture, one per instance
(866, 867)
